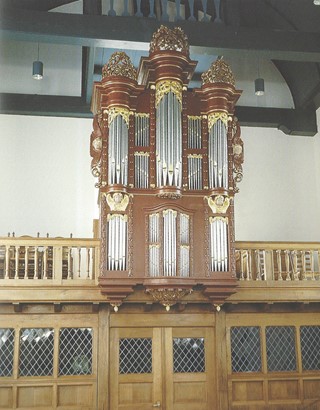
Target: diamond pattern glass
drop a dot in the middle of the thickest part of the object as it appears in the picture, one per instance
(6, 352)
(281, 348)
(310, 347)
(36, 352)
(245, 349)
(75, 351)
(135, 355)
(188, 355)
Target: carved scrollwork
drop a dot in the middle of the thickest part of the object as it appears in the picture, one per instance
(170, 39)
(165, 86)
(215, 116)
(119, 65)
(219, 72)
(168, 297)
(238, 154)
(96, 147)
(113, 112)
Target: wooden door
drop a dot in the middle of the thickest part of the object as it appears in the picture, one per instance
(166, 368)
(136, 368)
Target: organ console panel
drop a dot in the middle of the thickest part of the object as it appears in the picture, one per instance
(167, 160)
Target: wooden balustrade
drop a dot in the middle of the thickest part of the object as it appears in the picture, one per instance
(49, 259)
(71, 259)
(165, 10)
(277, 261)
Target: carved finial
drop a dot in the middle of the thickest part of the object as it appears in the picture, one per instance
(119, 65)
(169, 39)
(219, 72)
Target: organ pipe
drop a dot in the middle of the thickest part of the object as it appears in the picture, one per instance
(117, 241)
(219, 244)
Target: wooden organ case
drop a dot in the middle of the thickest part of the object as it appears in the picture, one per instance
(167, 159)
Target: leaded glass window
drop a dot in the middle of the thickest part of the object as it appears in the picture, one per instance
(188, 355)
(75, 351)
(245, 349)
(281, 348)
(36, 352)
(6, 352)
(310, 347)
(135, 355)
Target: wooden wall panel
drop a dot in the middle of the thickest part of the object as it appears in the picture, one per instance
(35, 397)
(244, 391)
(76, 396)
(6, 397)
(283, 390)
(311, 389)
(195, 392)
(137, 393)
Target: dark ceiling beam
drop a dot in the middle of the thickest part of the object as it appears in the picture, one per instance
(114, 32)
(290, 121)
(44, 105)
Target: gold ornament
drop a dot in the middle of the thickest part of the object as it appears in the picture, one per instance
(165, 86)
(117, 201)
(170, 39)
(215, 116)
(219, 72)
(168, 297)
(113, 112)
(219, 205)
(119, 65)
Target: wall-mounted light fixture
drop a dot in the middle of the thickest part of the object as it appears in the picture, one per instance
(37, 68)
(316, 2)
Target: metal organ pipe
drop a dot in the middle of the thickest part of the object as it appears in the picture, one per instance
(118, 151)
(218, 155)
(169, 141)
(117, 241)
(219, 244)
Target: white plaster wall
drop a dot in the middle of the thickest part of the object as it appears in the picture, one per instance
(279, 197)
(46, 183)
(45, 180)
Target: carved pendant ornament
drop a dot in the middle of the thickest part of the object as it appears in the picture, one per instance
(168, 297)
(168, 158)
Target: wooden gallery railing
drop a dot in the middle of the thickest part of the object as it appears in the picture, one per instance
(277, 261)
(62, 260)
(49, 259)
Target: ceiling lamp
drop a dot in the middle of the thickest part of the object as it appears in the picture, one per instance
(316, 2)
(259, 87)
(37, 68)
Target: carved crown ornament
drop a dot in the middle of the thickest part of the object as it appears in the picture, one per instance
(219, 72)
(169, 39)
(119, 65)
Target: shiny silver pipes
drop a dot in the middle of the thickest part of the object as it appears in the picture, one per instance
(117, 241)
(218, 151)
(218, 244)
(118, 150)
(169, 141)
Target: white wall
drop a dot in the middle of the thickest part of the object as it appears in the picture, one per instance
(279, 196)
(46, 183)
(45, 180)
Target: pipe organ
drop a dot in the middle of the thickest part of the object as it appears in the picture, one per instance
(168, 160)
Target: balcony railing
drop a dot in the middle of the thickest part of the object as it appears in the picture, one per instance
(71, 260)
(277, 261)
(56, 260)
(164, 10)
